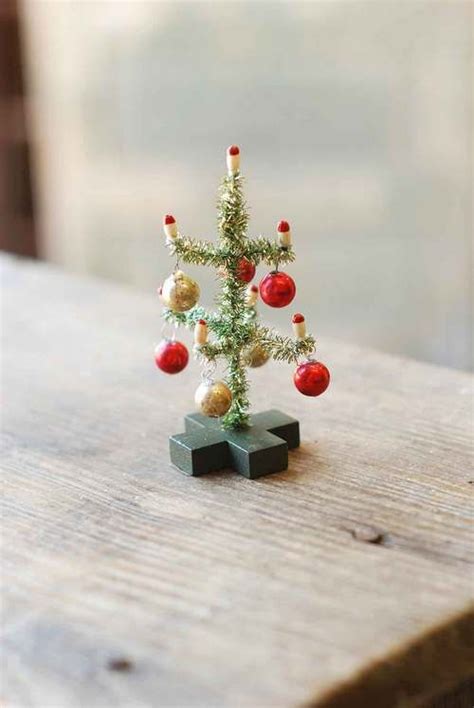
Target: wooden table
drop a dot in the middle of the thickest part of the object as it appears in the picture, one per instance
(344, 582)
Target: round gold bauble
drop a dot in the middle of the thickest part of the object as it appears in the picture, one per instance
(180, 292)
(213, 398)
(256, 356)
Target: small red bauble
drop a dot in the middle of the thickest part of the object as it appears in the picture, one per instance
(245, 270)
(169, 219)
(311, 378)
(283, 227)
(171, 356)
(233, 150)
(277, 289)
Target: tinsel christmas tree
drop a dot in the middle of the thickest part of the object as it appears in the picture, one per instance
(232, 333)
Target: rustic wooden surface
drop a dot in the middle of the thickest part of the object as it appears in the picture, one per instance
(345, 581)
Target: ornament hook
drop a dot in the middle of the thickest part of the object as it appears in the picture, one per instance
(208, 371)
(166, 326)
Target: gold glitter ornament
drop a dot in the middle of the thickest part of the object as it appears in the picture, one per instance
(256, 356)
(213, 398)
(180, 292)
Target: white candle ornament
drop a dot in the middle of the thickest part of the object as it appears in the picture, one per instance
(233, 160)
(299, 326)
(284, 234)
(200, 333)
(251, 296)
(170, 228)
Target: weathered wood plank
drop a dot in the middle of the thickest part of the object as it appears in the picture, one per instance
(460, 697)
(347, 576)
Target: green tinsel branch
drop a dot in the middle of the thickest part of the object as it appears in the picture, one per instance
(209, 351)
(220, 324)
(260, 250)
(284, 348)
(188, 319)
(197, 252)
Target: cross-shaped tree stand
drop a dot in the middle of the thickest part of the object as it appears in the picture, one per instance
(257, 450)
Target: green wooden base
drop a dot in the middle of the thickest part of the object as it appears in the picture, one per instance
(256, 451)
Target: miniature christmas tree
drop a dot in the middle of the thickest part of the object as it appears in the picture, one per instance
(237, 337)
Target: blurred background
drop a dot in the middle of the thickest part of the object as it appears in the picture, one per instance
(354, 121)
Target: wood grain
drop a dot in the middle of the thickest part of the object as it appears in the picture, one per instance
(343, 581)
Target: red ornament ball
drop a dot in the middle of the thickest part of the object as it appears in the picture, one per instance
(245, 270)
(277, 289)
(233, 150)
(311, 378)
(171, 357)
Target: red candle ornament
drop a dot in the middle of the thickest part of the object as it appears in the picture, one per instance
(171, 356)
(277, 289)
(311, 378)
(245, 270)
